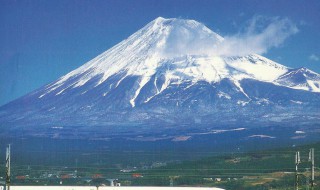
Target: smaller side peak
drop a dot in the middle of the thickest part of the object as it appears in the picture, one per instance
(303, 69)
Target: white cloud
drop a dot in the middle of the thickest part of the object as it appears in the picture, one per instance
(260, 35)
(314, 57)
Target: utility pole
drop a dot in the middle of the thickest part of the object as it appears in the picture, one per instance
(297, 162)
(171, 181)
(307, 179)
(8, 169)
(172, 178)
(311, 159)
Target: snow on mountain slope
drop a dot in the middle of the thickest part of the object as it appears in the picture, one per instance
(168, 71)
(143, 51)
(258, 67)
(182, 49)
(301, 78)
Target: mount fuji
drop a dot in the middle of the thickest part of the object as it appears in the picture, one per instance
(169, 74)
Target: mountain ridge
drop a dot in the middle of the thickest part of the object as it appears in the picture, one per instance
(167, 72)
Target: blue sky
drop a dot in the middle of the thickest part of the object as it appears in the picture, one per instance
(43, 40)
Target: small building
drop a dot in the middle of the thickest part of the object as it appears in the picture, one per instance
(114, 182)
(137, 175)
(97, 176)
(208, 179)
(65, 176)
(217, 179)
(21, 177)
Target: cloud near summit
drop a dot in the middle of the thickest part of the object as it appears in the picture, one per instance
(260, 35)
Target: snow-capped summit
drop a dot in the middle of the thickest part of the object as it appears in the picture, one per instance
(175, 49)
(145, 51)
(167, 71)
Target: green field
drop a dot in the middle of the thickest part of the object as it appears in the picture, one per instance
(273, 169)
(267, 169)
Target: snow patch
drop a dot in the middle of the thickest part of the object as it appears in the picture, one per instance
(296, 102)
(218, 131)
(262, 136)
(257, 67)
(225, 95)
(51, 108)
(242, 103)
(263, 101)
(238, 85)
(181, 138)
(143, 82)
(314, 85)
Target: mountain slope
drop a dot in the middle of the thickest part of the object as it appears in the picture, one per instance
(301, 78)
(167, 73)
